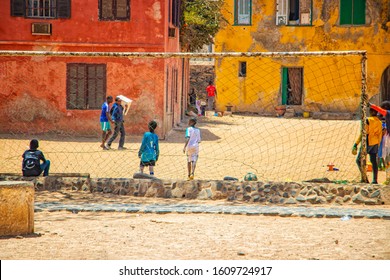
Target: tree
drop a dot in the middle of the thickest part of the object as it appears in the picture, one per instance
(200, 21)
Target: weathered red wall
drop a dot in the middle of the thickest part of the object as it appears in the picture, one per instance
(30, 83)
(41, 82)
(144, 32)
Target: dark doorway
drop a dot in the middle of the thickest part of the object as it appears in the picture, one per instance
(292, 86)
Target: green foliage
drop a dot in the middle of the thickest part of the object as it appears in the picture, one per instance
(200, 22)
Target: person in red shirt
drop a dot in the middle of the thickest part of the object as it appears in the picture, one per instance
(211, 94)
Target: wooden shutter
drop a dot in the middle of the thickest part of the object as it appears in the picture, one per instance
(345, 12)
(63, 8)
(359, 12)
(121, 9)
(282, 12)
(18, 8)
(96, 85)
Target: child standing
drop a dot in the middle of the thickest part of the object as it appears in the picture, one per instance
(192, 146)
(374, 137)
(149, 150)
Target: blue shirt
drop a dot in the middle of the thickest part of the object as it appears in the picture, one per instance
(105, 109)
(117, 113)
(149, 148)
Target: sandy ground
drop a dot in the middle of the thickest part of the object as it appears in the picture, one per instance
(106, 236)
(276, 149)
(272, 148)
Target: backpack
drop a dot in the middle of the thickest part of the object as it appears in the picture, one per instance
(31, 165)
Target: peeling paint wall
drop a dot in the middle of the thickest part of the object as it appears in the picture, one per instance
(324, 34)
(30, 83)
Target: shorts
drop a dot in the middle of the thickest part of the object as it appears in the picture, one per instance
(148, 163)
(105, 126)
(192, 154)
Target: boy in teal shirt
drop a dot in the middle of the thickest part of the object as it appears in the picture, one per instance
(149, 150)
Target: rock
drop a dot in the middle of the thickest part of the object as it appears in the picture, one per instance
(358, 198)
(329, 197)
(338, 200)
(365, 192)
(300, 198)
(228, 178)
(248, 189)
(303, 192)
(205, 194)
(312, 199)
(347, 198)
(375, 194)
(139, 175)
(290, 201)
(320, 200)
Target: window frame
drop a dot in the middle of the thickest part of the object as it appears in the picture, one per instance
(242, 69)
(86, 80)
(285, 11)
(21, 8)
(114, 17)
(236, 16)
(343, 13)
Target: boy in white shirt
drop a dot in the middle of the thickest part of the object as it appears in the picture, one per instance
(192, 146)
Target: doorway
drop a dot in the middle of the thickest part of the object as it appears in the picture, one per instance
(292, 85)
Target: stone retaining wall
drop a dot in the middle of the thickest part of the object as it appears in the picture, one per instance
(288, 193)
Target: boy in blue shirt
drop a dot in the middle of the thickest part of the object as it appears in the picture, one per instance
(149, 150)
(105, 120)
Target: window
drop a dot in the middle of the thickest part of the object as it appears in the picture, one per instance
(40, 8)
(242, 12)
(85, 86)
(292, 85)
(352, 12)
(242, 69)
(293, 12)
(114, 9)
(175, 11)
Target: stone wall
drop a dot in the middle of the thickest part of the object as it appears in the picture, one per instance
(287, 193)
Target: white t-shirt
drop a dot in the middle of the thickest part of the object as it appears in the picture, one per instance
(193, 134)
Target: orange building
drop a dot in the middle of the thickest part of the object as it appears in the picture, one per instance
(64, 94)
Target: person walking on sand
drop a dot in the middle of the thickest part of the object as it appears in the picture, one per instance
(32, 158)
(374, 137)
(149, 150)
(211, 95)
(117, 117)
(191, 146)
(105, 120)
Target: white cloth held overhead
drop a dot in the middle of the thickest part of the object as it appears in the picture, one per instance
(128, 102)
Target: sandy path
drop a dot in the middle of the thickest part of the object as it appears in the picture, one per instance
(201, 236)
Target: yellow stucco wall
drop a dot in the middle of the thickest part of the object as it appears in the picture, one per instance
(330, 83)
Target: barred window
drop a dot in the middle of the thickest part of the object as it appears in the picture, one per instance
(85, 86)
(41, 8)
(114, 10)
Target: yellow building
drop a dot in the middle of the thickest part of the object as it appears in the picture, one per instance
(315, 83)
